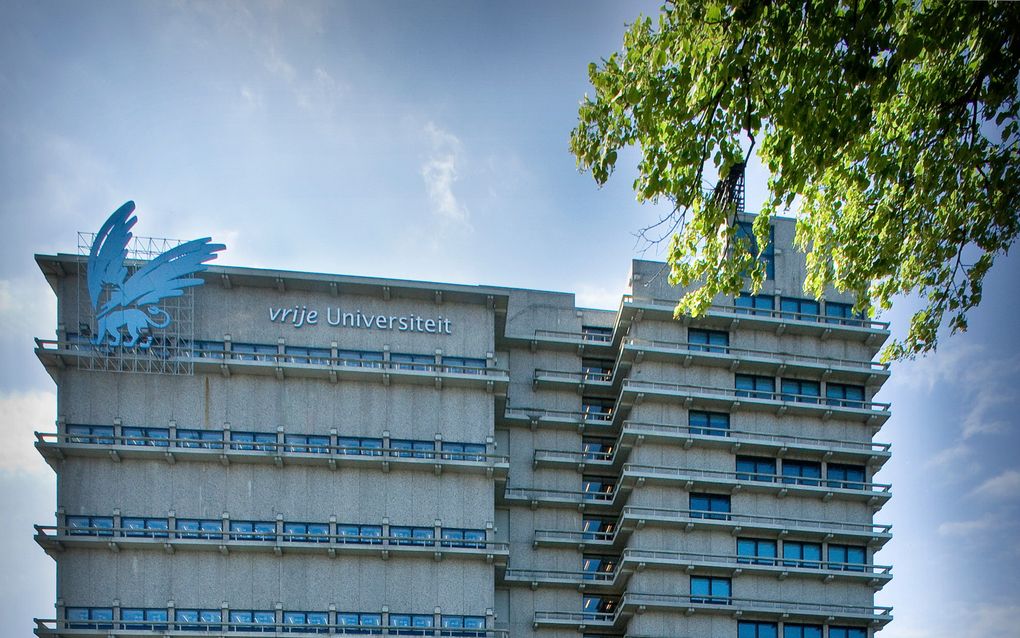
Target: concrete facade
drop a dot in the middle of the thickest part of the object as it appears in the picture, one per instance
(534, 469)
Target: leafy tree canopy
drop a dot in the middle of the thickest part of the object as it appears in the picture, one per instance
(889, 129)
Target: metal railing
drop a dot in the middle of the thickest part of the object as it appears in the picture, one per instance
(54, 627)
(223, 355)
(788, 398)
(270, 537)
(586, 337)
(781, 357)
(575, 377)
(770, 313)
(631, 513)
(267, 448)
(568, 415)
(749, 477)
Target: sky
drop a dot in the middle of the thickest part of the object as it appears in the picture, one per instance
(423, 141)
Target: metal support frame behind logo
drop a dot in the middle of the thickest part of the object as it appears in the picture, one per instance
(171, 348)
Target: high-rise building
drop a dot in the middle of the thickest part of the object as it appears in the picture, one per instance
(327, 454)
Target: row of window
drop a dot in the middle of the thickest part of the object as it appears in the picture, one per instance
(346, 533)
(795, 472)
(798, 309)
(760, 551)
(759, 629)
(349, 358)
(268, 442)
(799, 390)
(265, 621)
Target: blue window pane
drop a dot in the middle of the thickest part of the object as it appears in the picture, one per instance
(346, 619)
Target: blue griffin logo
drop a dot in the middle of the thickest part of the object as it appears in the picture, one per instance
(131, 303)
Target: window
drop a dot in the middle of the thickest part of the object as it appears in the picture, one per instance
(800, 390)
(361, 359)
(756, 468)
(713, 590)
(306, 532)
(361, 534)
(841, 394)
(847, 558)
(756, 629)
(306, 621)
(311, 356)
(94, 434)
(596, 370)
(714, 506)
(745, 230)
(467, 623)
(355, 619)
(145, 527)
(454, 537)
(597, 449)
(364, 446)
(708, 340)
(89, 617)
(799, 309)
(596, 607)
(421, 362)
(471, 451)
(259, 441)
(748, 304)
(151, 619)
(756, 551)
(847, 477)
(252, 620)
(253, 352)
(597, 488)
(752, 385)
(208, 349)
(597, 333)
(90, 525)
(156, 437)
(598, 567)
(709, 423)
(408, 448)
(597, 409)
(798, 554)
(307, 443)
(421, 621)
(847, 632)
(199, 528)
(842, 313)
(199, 619)
(423, 536)
(209, 439)
(801, 631)
(252, 530)
(463, 365)
(594, 528)
(801, 472)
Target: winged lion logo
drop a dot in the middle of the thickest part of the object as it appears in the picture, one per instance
(130, 305)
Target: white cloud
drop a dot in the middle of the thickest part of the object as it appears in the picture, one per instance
(21, 415)
(991, 620)
(1003, 485)
(440, 171)
(968, 528)
(27, 307)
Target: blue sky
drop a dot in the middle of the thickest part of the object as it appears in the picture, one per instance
(425, 141)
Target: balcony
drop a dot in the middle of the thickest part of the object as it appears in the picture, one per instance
(632, 603)
(57, 539)
(54, 447)
(731, 565)
(766, 362)
(633, 518)
(51, 628)
(219, 359)
(730, 399)
(635, 433)
(726, 316)
(534, 497)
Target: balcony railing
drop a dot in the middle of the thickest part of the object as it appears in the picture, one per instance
(54, 536)
(595, 338)
(699, 349)
(269, 450)
(787, 399)
(141, 628)
(783, 315)
(778, 524)
(754, 479)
